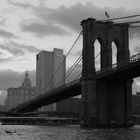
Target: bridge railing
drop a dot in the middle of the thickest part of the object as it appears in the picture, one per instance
(135, 58)
(132, 59)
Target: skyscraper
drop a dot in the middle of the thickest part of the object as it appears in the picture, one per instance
(46, 66)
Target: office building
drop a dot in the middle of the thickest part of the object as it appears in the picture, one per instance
(46, 66)
(18, 95)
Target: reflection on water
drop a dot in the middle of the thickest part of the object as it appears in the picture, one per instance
(24, 132)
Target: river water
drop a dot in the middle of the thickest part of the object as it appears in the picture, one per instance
(28, 132)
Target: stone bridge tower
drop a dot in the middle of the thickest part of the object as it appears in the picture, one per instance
(106, 102)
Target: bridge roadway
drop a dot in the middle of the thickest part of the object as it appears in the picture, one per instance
(126, 71)
(69, 90)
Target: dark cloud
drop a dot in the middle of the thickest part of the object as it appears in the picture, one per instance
(55, 21)
(69, 17)
(9, 78)
(66, 16)
(17, 49)
(72, 16)
(13, 50)
(43, 30)
(9, 59)
(29, 48)
(19, 4)
(4, 60)
(6, 34)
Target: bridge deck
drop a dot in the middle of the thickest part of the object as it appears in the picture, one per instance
(126, 71)
(63, 92)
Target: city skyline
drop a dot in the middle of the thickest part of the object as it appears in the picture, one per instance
(31, 26)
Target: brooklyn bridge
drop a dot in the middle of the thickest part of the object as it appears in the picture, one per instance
(106, 94)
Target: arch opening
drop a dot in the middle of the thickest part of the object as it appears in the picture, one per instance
(114, 54)
(97, 53)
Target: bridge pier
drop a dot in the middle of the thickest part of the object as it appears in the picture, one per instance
(117, 99)
(102, 103)
(129, 110)
(89, 102)
(106, 101)
(120, 103)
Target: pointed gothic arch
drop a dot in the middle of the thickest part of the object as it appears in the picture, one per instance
(98, 45)
(115, 49)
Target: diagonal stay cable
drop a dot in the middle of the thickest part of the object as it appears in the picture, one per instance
(78, 76)
(70, 70)
(73, 67)
(62, 61)
(81, 72)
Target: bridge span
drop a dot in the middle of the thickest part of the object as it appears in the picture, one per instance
(125, 71)
(60, 93)
(106, 94)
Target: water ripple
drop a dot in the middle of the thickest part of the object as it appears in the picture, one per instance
(26, 132)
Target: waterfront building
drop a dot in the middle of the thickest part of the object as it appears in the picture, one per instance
(47, 63)
(18, 95)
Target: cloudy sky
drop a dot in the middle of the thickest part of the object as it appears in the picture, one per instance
(29, 26)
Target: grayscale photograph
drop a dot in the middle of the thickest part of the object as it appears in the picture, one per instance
(69, 70)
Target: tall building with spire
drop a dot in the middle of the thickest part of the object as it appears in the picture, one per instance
(26, 83)
(18, 95)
